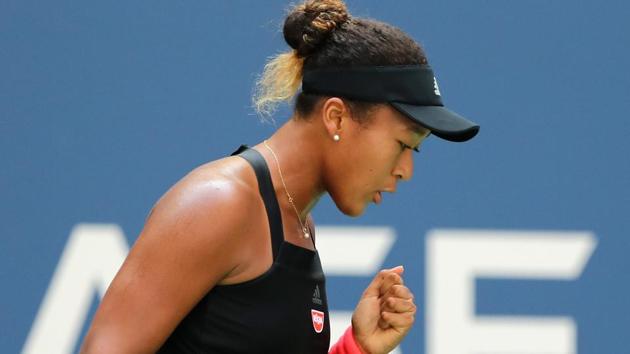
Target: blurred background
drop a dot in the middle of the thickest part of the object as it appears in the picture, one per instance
(514, 242)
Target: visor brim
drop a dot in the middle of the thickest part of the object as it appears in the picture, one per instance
(442, 122)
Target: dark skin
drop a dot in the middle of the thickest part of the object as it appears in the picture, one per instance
(196, 238)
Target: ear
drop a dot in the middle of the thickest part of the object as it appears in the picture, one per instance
(335, 115)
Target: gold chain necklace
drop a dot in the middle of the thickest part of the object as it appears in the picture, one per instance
(304, 229)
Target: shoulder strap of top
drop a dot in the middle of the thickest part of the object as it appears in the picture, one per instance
(267, 193)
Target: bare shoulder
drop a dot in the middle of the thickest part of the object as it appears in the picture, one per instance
(197, 225)
(213, 184)
(189, 243)
(207, 205)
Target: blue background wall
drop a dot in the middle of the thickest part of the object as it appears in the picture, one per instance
(104, 105)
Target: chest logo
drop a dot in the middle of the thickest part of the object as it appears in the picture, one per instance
(318, 320)
(316, 296)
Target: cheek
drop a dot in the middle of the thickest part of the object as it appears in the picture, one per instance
(380, 163)
(360, 168)
(349, 185)
(372, 164)
(373, 153)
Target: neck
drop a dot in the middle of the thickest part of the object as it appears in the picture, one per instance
(299, 156)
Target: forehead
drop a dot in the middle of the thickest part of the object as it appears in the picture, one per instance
(396, 121)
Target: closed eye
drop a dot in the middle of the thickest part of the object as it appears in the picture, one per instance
(404, 146)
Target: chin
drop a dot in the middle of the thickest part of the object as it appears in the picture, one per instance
(353, 210)
(349, 206)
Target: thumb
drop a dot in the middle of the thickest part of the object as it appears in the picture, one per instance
(374, 288)
(398, 270)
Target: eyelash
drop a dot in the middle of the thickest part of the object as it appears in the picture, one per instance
(405, 146)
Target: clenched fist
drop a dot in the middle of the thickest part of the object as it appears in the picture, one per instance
(384, 314)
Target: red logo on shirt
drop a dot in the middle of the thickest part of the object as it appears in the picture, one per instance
(318, 320)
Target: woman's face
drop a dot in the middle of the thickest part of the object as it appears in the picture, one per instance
(372, 157)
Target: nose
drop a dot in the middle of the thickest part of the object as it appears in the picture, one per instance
(404, 166)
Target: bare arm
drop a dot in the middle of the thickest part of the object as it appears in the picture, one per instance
(189, 243)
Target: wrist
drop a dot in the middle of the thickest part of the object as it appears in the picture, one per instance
(347, 344)
(356, 343)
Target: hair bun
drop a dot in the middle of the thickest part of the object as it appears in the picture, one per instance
(309, 24)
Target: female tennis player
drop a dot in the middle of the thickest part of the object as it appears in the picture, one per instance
(227, 263)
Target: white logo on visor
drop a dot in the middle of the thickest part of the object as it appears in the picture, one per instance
(436, 89)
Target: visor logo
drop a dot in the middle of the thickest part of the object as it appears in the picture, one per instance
(318, 320)
(436, 89)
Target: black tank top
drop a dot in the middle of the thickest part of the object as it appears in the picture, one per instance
(283, 310)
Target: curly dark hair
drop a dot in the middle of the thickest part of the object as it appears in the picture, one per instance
(323, 34)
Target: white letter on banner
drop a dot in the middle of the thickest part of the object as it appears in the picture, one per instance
(89, 262)
(456, 257)
(353, 252)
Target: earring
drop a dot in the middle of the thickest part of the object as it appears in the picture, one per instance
(336, 137)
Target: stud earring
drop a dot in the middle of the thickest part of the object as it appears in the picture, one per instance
(336, 137)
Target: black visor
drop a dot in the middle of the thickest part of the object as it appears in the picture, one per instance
(410, 89)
